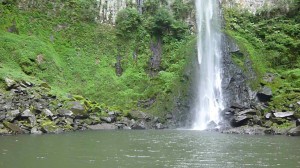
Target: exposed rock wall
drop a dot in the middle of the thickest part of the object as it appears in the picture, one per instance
(235, 80)
(255, 5)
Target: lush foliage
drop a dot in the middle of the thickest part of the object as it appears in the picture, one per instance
(271, 39)
(67, 49)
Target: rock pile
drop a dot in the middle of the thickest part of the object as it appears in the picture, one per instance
(31, 109)
(251, 121)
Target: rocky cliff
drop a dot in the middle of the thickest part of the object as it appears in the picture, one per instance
(256, 5)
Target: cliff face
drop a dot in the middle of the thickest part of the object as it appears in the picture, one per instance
(255, 5)
(104, 11)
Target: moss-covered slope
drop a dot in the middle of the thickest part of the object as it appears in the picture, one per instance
(66, 48)
(271, 39)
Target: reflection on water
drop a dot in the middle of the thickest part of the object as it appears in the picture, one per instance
(135, 149)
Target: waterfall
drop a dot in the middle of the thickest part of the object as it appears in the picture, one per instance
(208, 102)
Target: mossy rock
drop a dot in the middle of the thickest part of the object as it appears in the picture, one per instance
(48, 126)
(13, 127)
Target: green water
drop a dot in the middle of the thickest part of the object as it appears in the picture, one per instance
(136, 149)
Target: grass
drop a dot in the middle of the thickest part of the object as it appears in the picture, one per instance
(76, 55)
(271, 40)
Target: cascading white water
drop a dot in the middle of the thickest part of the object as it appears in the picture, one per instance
(209, 92)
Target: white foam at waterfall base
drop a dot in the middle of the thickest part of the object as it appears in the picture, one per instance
(209, 101)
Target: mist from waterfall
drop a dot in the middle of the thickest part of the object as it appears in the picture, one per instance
(208, 102)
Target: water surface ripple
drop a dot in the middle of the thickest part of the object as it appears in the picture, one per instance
(136, 149)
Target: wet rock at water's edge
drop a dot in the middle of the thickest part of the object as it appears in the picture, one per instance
(294, 131)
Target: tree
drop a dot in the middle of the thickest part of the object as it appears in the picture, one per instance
(128, 20)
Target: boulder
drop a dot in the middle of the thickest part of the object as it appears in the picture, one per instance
(256, 120)
(47, 113)
(138, 125)
(268, 115)
(11, 115)
(283, 114)
(13, 127)
(238, 121)
(107, 119)
(94, 120)
(103, 126)
(268, 124)
(112, 113)
(65, 112)
(211, 125)
(265, 94)
(50, 129)
(4, 131)
(9, 83)
(140, 115)
(294, 131)
(35, 131)
(76, 107)
(2, 116)
(28, 114)
(159, 126)
(248, 111)
(251, 130)
(236, 106)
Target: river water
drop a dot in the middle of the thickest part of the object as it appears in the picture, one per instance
(137, 149)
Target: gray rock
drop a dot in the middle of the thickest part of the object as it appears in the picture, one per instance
(65, 112)
(283, 114)
(265, 94)
(236, 106)
(4, 131)
(159, 126)
(268, 115)
(47, 113)
(251, 130)
(111, 113)
(140, 115)
(211, 125)
(94, 118)
(107, 119)
(28, 114)
(2, 116)
(49, 129)
(256, 120)
(28, 84)
(9, 83)
(8, 106)
(35, 131)
(76, 107)
(13, 127)
(238, 121)
(138, 126)
(248, 111)
(294, 131)
(11, 115)
(103, 126)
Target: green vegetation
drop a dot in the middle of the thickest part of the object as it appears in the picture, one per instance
(271, 39)
(67, 49)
